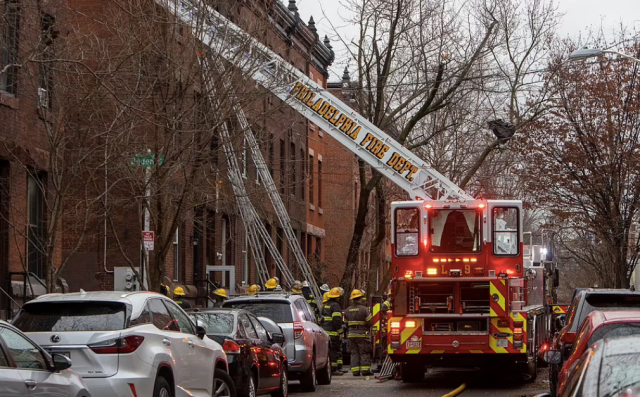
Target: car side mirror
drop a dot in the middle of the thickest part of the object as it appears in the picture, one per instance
(277, 337)
(60, 362)
(201, 331)
(552, 356)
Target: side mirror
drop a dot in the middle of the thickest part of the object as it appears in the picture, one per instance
(60, 362)
(552, 356)
(201, 331)
(277, 337)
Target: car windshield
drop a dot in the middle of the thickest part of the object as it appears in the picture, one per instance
(72, 316)
(614, 330)
(278, 311)
(618, 373)
(454, 231)
(215, 323)
(605, 302)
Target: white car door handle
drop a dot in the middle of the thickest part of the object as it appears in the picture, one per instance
(166, 342)
(31, 384)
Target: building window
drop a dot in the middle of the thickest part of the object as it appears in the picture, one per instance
(176, 255)
(35, 216)
(294, 179)
(318, 253)
(45, 81)
(319, 184)
(244, 158)
(270, 155)
(302, 170)
(282, 166)
(10, 29)
(310, 179)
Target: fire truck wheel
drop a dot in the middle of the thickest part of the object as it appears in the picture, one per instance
(412, 373)
(531, 370)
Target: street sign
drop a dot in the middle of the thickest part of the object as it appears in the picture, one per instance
(148, 238)
(147, 160)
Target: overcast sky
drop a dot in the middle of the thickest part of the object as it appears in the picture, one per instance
(578, 15)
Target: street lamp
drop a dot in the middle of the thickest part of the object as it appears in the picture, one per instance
(584, 53)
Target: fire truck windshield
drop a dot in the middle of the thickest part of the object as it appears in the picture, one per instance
(455, 230)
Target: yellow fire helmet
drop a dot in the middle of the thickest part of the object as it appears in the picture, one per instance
(272, 283)
(334, 293)
(253, 289)
(179, 291)
(325, 297)
(221, 292)
(296, 288)
(356, 293)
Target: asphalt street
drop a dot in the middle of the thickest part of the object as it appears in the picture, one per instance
(436, 384)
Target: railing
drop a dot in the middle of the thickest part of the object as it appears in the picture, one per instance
(27, 278)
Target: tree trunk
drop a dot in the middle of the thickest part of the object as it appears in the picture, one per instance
(356, 239)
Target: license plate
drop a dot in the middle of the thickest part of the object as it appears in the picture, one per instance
(502, 342)
(414, 345)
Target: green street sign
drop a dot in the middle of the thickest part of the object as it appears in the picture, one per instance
(146, 160)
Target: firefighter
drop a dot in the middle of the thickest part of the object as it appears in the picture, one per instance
(220, 295)
(333, 325)
(296, 288)
(359, 326)
(254, 289)
(308, 295)
(382, 346)
(271, 284)
(164, 290)
(178, 297)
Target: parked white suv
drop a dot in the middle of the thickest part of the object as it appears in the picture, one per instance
(128, 344)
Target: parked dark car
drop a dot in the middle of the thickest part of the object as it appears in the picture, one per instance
(257, 363)
(585, 302)
(609, 368)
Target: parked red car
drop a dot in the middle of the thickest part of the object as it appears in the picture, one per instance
(597, 326)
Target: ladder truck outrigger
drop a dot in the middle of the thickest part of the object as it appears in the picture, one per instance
(462, 292)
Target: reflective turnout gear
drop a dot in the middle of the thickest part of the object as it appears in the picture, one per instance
(356, 293)
(164, 290)
(358, 321)
(179, 291)
(360, 349)
(182, 303)
(333, 326)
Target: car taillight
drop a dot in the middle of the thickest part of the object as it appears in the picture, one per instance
(125, 345)
(230, 347)
(298, 330)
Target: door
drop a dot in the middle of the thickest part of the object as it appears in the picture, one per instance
(199, 357)
(258, 351)
(31, 366)
(273, 361)
(11, 381)
(223, 277)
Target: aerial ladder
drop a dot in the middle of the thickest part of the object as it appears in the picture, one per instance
(460, 293)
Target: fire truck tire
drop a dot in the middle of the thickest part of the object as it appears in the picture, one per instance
(412, 373)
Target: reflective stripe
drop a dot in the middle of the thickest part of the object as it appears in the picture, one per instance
(357, 323)
(328, 319)
(336, 314)
(355, 369)
(340, 362)
(369, 317)
(334, 364)
(358, 336)
(364, 368)
(332, 333)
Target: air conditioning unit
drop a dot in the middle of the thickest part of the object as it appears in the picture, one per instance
(43, 98)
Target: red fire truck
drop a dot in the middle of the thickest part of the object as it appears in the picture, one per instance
(462, 295)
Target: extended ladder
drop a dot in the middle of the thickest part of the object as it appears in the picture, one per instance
(270, 186)
(320, 107)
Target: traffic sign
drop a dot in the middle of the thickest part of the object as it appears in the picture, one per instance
(148, 238)
(147, 160)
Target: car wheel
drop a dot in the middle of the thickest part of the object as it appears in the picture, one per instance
(324, 376)
(283, 391)
(308, 380)
(222, 384)
(251, 387)
(162, 388)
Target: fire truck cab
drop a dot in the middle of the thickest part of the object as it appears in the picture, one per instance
(461, 293)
